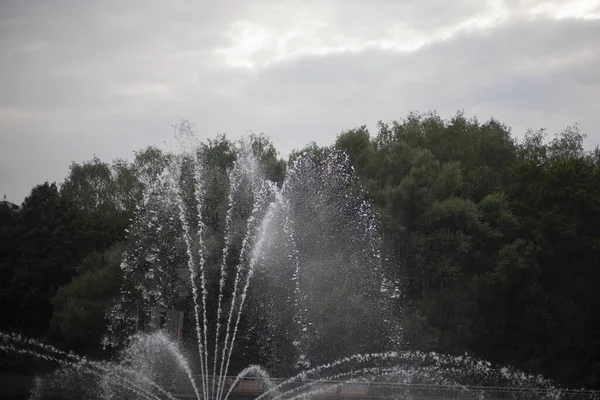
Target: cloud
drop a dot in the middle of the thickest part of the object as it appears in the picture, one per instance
(107, 78)
(546, 80)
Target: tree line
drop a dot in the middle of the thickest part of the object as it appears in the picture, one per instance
(495, 240)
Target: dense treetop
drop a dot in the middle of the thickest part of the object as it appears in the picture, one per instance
(496, 241)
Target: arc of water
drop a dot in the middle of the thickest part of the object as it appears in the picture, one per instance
(76, 359)
(354, 357)
(265, 224)
(252, 369)
(176, 354)
(221, 381)
(359, 372)
(245, 245)
(119, 381)
(438, 362)
(191, 267)
(233, 186)
(199, 192)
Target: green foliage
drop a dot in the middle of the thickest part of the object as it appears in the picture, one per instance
(556, 196)
(149, 163)
(487, 233)
(496, 242)
(265, 151)
(312, 150)
(357, 145)
(90, 187)
(80, 307)
(41, 245)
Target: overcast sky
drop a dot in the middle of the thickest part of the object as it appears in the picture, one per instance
(108, 77)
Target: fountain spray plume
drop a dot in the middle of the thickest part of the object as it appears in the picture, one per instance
(262, 234)
(261, 194)
(234, 178)
(301, 319)
(193, 275)
(201, 261)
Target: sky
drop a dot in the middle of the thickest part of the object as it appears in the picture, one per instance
(108, 77)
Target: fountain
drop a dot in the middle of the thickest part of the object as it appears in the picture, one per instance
(297, 269)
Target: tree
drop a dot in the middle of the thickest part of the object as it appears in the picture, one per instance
(438, 185)
(554, 192)
(264, 150)
(90, 186)
(46, 245)
(80, 307)
(356, 143)
(494, 241)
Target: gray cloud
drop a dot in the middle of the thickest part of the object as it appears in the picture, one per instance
(497, 74)
(106, 78)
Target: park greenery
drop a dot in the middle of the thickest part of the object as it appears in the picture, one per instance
(494, 239)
